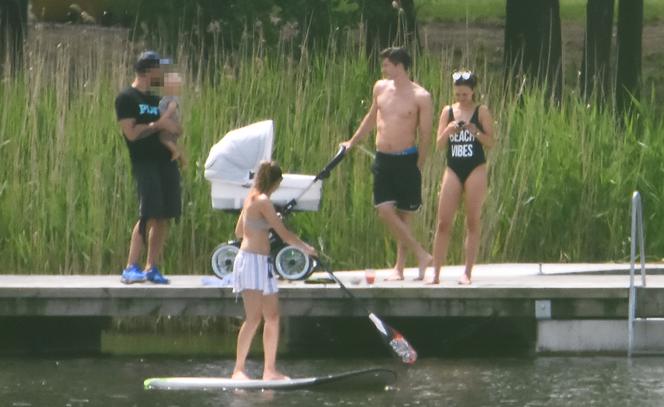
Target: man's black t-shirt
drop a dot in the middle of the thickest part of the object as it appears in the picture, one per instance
(144, 108)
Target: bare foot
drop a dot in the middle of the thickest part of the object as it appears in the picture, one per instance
(464, 280)
(240, 375)
(274, 375)
(396, 275)
(434, 281)
(423, 263)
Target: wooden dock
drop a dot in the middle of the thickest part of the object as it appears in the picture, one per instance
(509, 290)
(549, 293)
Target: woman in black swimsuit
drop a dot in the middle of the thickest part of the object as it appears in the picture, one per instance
(465, 129)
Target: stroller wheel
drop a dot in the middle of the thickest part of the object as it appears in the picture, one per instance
(223, 257)
(292, 263)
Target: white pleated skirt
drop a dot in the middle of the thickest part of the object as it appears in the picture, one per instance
(252, 271)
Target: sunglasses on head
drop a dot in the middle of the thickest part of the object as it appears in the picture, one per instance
(465, 75)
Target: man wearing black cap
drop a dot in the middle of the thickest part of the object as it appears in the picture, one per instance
(157, 177)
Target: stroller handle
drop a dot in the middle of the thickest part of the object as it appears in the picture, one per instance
(325, 172)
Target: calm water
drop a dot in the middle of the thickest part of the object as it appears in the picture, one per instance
(543, 381)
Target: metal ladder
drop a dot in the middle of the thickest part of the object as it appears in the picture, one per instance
(637, 229)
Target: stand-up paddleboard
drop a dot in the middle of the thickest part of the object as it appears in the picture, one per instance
(376, 378)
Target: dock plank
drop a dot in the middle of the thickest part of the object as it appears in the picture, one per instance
(502, 290)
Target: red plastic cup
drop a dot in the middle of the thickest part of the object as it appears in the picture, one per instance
(370, 276)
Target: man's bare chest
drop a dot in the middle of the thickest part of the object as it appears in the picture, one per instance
(397, 106)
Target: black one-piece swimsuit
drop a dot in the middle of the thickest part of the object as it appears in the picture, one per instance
(464, 151)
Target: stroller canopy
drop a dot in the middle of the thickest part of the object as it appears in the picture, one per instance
(237, 155)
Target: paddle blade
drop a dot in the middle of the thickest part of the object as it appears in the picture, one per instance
(396, 342)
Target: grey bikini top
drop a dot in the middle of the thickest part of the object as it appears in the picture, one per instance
(256, 224)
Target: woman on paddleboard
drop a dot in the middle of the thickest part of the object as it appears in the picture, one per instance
(254, 276)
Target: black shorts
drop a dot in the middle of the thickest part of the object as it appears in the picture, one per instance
(158, 186)
(397, 180)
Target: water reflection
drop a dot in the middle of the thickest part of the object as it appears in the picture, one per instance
(542, 381)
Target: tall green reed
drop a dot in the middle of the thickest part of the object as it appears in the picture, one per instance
(560, 178)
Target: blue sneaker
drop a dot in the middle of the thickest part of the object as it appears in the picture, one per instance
(132, 274)
(155, 276)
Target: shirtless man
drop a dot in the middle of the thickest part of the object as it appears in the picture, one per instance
(399, 109)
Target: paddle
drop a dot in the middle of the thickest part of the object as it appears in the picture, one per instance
(392, 338)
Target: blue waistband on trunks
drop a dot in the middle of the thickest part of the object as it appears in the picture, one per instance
(408, 151)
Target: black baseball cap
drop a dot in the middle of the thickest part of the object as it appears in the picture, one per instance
(148, 60)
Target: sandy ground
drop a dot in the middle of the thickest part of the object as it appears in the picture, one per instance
(487, 38)
(483, 40)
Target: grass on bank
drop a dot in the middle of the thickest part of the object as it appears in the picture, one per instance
(493, 11)
(560, 178)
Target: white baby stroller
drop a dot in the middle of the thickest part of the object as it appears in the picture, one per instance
(230, 168)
